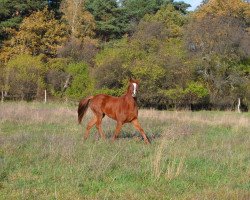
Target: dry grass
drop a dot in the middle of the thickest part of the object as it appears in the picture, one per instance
(37, 113)
(173, 167)
(203, 117)
(32, 113)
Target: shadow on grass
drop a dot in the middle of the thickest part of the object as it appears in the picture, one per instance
(124, 135)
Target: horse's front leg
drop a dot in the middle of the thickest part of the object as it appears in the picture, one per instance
(117, 130)
(138, 127)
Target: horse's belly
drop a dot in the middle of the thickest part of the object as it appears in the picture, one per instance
(110, 113)
(121, 116)
(111, 116)
(130, 118)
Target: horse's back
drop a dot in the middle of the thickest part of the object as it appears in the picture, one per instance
(104, 100)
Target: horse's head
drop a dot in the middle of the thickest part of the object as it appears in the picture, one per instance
(133, 87)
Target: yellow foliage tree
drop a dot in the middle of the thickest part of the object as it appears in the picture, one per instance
(218, 8)
(218, 34)
(81, 45)
(81, 22)
(172, 19)
(40, 33)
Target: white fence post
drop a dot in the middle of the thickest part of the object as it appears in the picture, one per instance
(45, 96)
(2, 96)
(238, 106)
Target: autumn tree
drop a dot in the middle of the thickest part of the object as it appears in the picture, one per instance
(81, 45)
(12, 12)
(40, 33)
(81, 22)
(77, 50)
(183, 59)
(217, 37)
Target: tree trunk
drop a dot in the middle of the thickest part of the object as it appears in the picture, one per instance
(66, 84)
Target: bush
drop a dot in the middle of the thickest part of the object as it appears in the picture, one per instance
(81, 84)
(25, 75)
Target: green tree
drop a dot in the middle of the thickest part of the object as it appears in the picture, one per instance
(193, 93)
(57, 78)
(155, 54)
(181, 6)
(81, 84)
(173, 20)
(68, 78)
(109, 17)
(137, 9)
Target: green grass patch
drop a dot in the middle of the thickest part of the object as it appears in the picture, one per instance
(195, 155)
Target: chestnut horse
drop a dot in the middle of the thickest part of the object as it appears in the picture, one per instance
(123, 109)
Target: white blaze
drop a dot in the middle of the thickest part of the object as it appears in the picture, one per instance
(134, 92)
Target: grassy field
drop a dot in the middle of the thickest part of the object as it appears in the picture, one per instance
(194, 155)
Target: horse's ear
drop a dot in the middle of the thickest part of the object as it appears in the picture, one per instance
(131, 80)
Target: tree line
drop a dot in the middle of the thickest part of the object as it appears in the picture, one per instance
(76, 48)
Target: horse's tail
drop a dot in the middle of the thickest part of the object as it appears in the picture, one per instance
(82, 108)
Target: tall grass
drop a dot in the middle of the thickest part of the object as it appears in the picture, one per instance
(193, 155)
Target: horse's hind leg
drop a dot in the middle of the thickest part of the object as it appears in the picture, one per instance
(99, 126)
(89, 126)
(140, 129)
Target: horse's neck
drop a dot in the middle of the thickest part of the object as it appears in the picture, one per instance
(130, 99)
(128, 95)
